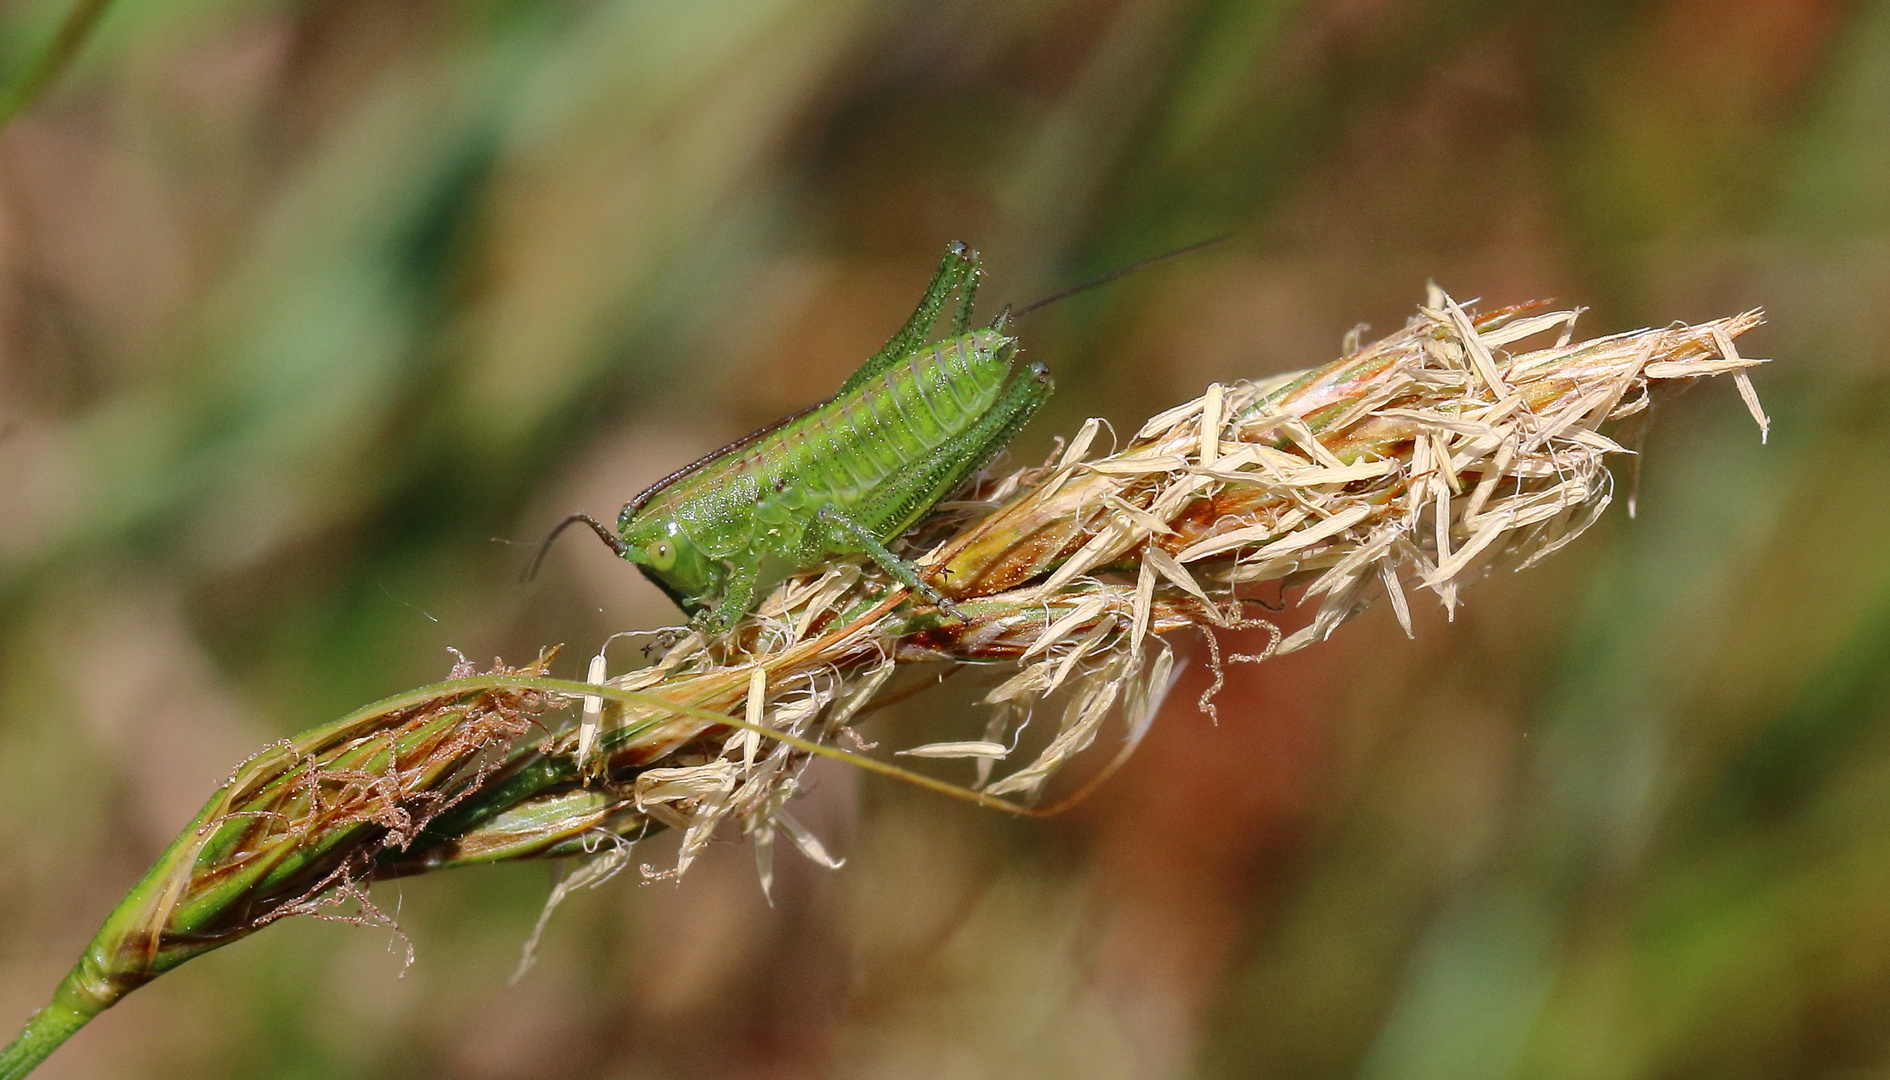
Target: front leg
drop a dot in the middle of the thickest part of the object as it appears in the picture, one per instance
(737, 597)
(850, 535)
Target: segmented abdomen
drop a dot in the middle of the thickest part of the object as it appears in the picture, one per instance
(844, 449)
(841, 450)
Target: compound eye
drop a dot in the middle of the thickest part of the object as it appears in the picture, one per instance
(663, 555)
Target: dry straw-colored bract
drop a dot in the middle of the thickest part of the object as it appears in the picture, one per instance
(1422, 460)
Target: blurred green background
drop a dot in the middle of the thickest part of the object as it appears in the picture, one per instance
(307, 304)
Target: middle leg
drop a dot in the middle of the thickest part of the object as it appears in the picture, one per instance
(846, 534)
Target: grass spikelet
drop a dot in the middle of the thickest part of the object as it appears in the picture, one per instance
(1421, 461)
(1418, 462)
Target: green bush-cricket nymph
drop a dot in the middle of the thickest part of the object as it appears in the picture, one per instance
(843, 477)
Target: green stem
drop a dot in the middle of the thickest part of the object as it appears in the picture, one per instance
(43, 1034)
(49, 64)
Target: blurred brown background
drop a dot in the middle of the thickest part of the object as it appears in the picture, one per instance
(302, 304)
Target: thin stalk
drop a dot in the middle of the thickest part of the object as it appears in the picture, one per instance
(573, 688)
(49, 1027)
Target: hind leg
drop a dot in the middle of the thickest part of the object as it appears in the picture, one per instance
(903, 498)
(899, 501)
(957, 273)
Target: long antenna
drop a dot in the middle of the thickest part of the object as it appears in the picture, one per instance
(1113, 275)
(616, 544)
